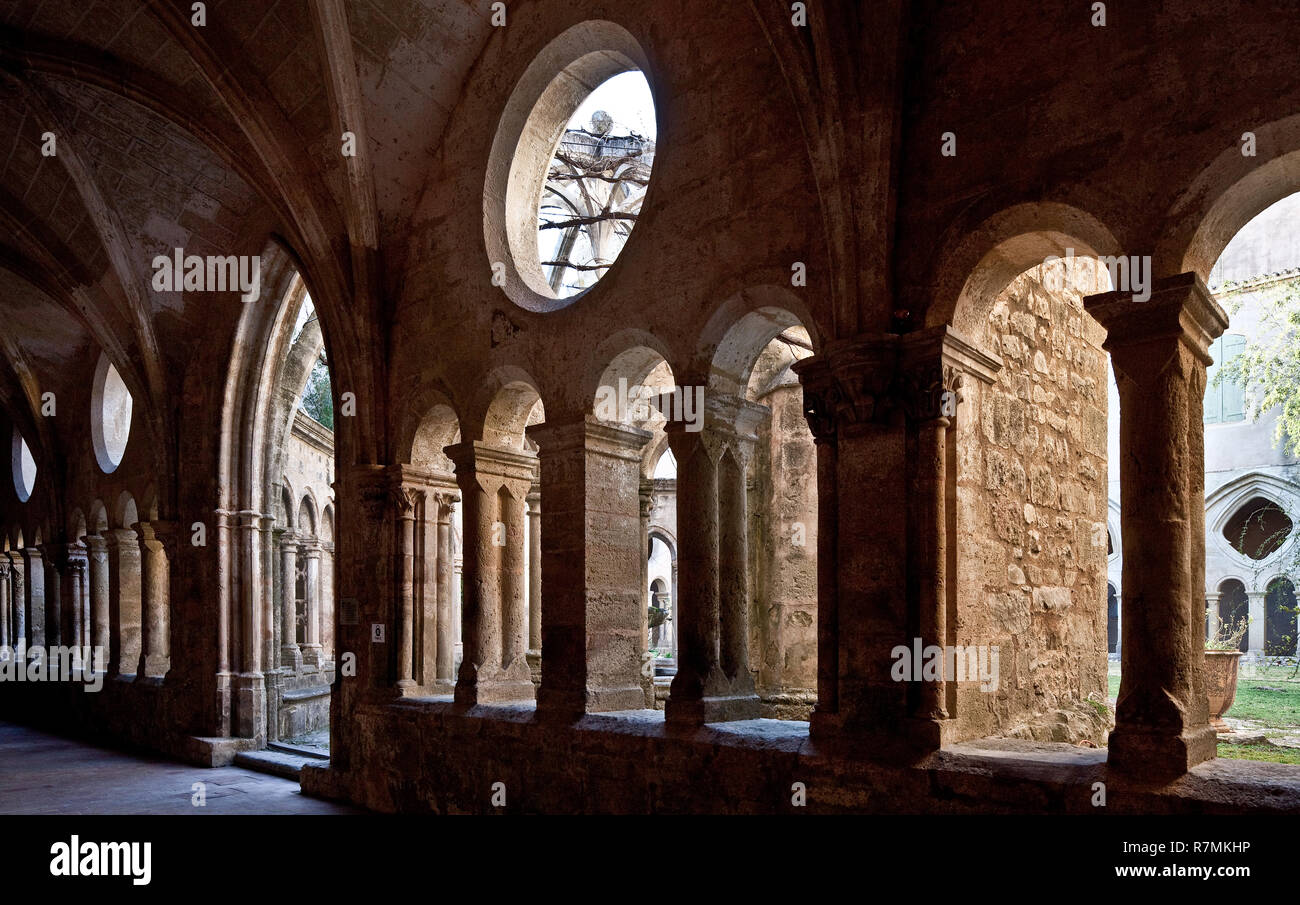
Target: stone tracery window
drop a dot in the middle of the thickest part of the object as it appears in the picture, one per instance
(595, 183)
(1258, 528)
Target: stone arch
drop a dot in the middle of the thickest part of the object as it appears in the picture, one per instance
(1226, 195)
(1280, 618)
(1112, 618)
(629, 384)
(76, 526)
(306, 517)
(655, 450)
(149, 504)
(98, 519)
(1233, 604)
(268, 369)
(737, 332)
(631, 354)
(1026, 449)
(438, 429)
(287, 507)
(513, 403)
(977, 265)
(126, 513)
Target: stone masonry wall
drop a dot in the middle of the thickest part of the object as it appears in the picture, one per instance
(1031, 493)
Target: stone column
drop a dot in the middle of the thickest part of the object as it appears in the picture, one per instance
(310, 555)
(290, 654)
(1159, 352)
(852, 411)
(250, 683)
(483, 473)
(1255, 630)
(123, 600)
(514, 586)
(645, 506)
(34, 596)
(934, 364)
(227, 627)
(311, 633)
(100, 622)
(446, 681)
(697, 559)
(270, 605)
(1119, 623)
(157, 539)
(55, 563)
(59, 613)
(855, 396)
(17, 596)
(733, 567)
(534, 501)
(1212, 621)
(591, 551)
(406, 500)
(75, 599)
(6, 614)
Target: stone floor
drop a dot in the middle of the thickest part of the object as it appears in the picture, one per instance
(47, 774)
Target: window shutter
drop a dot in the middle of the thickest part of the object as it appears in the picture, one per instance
(1234, 396)
(1213, 394)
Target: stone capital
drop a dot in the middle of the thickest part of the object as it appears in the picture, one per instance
(934, 365)
(166, 534)
(589, 434)
(96, 545)
(492, 466)
(447, 501)
(117, 538)
(852, 383)
(1145, 337)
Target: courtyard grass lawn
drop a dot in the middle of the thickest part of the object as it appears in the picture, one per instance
(1269, 694)
(1260, 752)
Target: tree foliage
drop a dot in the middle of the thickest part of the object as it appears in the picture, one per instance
(1268, 368)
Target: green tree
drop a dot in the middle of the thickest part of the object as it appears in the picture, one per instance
(1268, 368)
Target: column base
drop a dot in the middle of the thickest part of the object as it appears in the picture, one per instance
(153, 666)
(724, 701)
(1159, 755)
(250, 696)
(494, 685)
(534, 658)
(223, 691)
(907, 741)
(313, 655)
(291, 658)
(443, 687)
(567, 705)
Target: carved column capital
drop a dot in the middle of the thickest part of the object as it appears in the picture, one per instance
(851, 383)
(935, 366)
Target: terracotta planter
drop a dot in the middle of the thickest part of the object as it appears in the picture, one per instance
(1221, 684)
